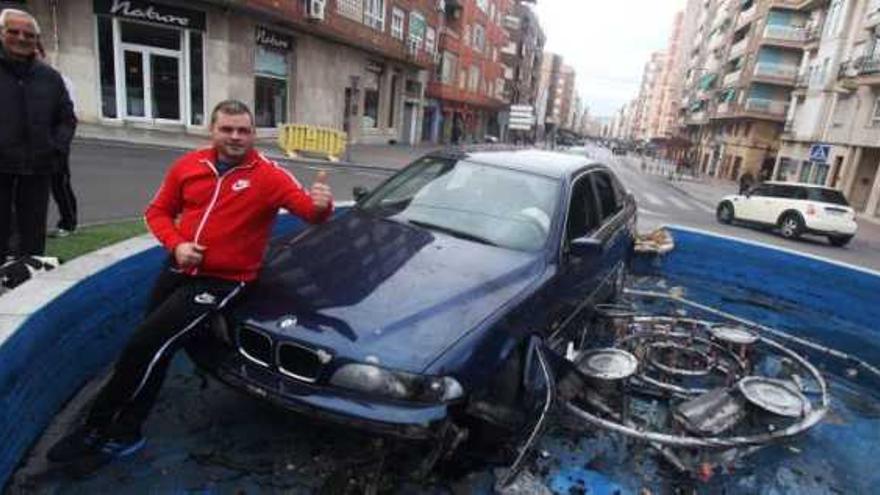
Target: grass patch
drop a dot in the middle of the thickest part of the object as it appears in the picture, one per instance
(92, 238)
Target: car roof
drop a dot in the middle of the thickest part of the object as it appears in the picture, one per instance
(798, 184)
(548, 163)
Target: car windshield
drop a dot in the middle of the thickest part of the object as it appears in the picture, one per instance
(481, 203)
(827, 196)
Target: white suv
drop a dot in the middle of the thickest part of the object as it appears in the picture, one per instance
(795, 209)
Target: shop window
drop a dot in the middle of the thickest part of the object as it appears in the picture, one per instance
(270, 101)
(393, 95)
(150, 35)
(374, 14)
(370, 119)
(107, 67)
(397, 19)
(197, 79)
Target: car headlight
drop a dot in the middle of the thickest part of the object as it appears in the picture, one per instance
(396, 384)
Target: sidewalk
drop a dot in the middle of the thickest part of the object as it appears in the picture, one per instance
(362, 155)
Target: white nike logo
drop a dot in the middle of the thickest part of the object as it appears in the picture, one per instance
(241, 184)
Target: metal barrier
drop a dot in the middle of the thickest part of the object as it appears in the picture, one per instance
(298, 138)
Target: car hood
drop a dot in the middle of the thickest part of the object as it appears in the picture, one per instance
(367, 288)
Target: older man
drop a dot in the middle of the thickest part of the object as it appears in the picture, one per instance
(35, 130)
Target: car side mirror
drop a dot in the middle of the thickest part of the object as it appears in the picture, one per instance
(585, 246)
(359, 193)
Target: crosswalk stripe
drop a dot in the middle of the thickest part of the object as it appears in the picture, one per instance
(681, 205)
(654, 200)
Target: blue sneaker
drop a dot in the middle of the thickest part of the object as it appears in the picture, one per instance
(87, 449)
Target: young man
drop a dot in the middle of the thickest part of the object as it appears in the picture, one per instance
(213, 213)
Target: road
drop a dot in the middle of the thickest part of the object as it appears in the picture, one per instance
(115, 181)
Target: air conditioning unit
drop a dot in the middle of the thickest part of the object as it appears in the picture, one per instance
(315, 9)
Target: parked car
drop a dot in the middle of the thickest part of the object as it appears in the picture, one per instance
(417, 313)
(794, 209)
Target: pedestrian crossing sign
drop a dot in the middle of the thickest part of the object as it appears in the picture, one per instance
(819, 153)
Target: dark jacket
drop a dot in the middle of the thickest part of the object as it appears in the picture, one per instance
(37, 122)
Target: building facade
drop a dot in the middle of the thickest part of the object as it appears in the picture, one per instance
(467, 92)
(353, 65)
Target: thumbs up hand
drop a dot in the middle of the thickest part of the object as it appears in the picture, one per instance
(320, 192)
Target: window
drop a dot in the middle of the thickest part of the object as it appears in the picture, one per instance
(430, 40)
(875, 115)
(483, 5)
(499, 88)
(370, 118)
(417, 28)
(605, 193)
(478, 39)
(353, 9)
(448, 68)
(462, 78)
(196, 85)
(583, 218)
(270, 85)
(473, 83)
(397, 18)
(107, 67)
(393, 96)
(374, 14)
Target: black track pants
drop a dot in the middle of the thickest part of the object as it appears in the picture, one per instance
(179, 306)
(62, 193)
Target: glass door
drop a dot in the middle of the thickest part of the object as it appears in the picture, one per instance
(165, 87)
(135, 84)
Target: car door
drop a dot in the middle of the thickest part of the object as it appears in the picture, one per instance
(613, 231)
(576, 276)
(748, 207)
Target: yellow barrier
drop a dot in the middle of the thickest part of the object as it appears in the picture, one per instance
(298, 138)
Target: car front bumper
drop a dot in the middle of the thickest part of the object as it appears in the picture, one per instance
(408, 421)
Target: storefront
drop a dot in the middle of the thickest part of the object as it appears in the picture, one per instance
(151, 62)
(271, 76)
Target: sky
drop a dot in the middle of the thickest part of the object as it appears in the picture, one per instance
(607, 43)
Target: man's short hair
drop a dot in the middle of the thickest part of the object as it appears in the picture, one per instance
(7, 13)
(231, 107)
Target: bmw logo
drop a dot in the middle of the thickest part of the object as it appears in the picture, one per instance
(287, 322)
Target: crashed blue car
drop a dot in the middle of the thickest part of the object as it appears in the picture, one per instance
(416, 313)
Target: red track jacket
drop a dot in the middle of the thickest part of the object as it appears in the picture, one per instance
(231, 215)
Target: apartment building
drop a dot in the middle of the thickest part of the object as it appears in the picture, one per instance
(832, 133)
(743, 69)
(467, 92)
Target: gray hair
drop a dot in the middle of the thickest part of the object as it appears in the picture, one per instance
(7, 13)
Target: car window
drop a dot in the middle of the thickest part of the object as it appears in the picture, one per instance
(791, 192)
(827, 196)
(583, 217)
(605, 194)
(482, 203)
(762, 191)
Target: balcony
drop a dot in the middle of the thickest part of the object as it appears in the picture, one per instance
(511, 23)
(731, 78)
(803, 80)
(717, 41)
(723, 109)
(785, 35)
(738, 48)
(863, 70)
(775, 108)
(746, 16)
(509, 49)
(776, 73)
(872, 15)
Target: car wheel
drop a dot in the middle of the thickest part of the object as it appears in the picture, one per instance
(839, 240)
(724, 213)
(791, 226)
